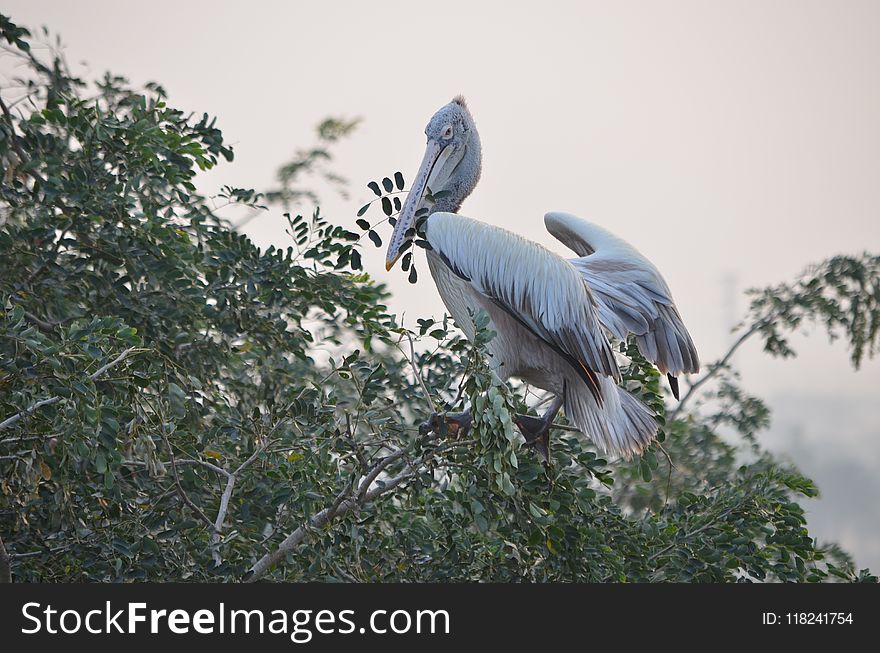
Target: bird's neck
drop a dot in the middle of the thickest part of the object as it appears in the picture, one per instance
(465, 178)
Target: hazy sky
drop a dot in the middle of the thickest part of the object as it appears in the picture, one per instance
(731, 142)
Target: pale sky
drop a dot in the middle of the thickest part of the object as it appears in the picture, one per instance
(731, 142)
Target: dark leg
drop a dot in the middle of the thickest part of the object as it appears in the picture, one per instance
(536, 430)
(457, 424)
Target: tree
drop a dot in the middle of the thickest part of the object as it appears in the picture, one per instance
(177, 404)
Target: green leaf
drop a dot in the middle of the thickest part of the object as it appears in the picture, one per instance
(645, 470)
(100, 462)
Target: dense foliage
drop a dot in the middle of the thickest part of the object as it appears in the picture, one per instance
(176, 403)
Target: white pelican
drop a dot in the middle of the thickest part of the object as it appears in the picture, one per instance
(550, 314)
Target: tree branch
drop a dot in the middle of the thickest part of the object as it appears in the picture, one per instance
(221, 515)
(231, 477)
(43, 325)
(416, 371)
(224, 501)
(180, 491)
(12, 420)
(715, 368)
(181, 463)
(29, 438)
(377, 469)
(687, 536)
(342, 505)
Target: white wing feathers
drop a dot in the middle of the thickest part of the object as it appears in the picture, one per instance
(551, 299)
(535, 286)
(631, 295)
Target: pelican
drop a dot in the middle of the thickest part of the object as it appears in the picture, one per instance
(552, 315)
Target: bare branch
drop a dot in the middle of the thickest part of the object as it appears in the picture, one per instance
(30, 438)
(21, 455)
(180, 491)
(247, 463)
(377, 469)
(205, 464)
(221, 515)
(231, 477)
(342, 505)
(29, 554)
(43, 325)
(416, 371)
(181, 463)
(12, 420)
(225, 498)
(715, 368)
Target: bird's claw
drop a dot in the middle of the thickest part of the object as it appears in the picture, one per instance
(455, 425)
(430, 425)
(536, 432)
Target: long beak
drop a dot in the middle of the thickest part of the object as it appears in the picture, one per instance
(407, 216)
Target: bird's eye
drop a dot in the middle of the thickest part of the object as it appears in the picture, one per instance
(447, 133)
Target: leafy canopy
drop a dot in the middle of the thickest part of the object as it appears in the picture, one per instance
(176, 403)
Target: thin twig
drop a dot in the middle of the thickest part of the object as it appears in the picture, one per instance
(181, 462)
(225, 498)
(221, 515)
(687, 536)
(715, 368)
(669, 475)
(341, 505)
(358, 447)
(21, 455)
(254, 456)
(377, 469)
(12, 420)
(416, 371)
(43, 325)
(180, 491)
(29, 438)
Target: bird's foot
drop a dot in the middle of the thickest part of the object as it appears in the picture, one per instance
(536, 431)
(454, 425)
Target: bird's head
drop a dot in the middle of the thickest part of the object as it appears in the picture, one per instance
(450, 170)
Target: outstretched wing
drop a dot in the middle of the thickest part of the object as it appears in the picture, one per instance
(532, 284)
(631, 295)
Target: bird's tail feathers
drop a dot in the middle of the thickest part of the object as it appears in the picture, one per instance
(621, 426)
